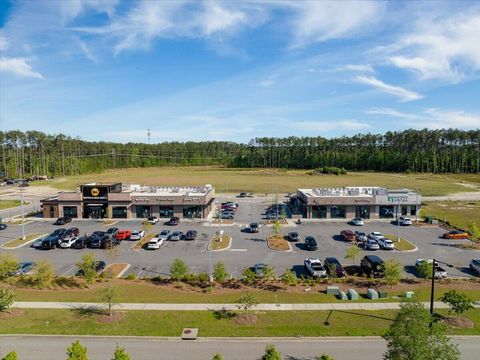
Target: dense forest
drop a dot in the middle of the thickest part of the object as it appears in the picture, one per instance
(437, 151)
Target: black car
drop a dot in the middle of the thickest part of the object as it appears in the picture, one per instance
(59, 232)
(50, 242)
(191, 235)
(293, 236)
(98, 242)
(311, 243)
(3, 226)
(373, 265)
(173, 221)
(82, 242)
(62, 221)
(109, 242)
(99, 267)
(71, 232)
(334, 268)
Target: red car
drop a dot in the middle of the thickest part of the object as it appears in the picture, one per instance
(123, 234)
(348, 235)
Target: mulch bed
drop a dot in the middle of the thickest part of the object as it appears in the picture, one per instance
(12, 313)
(278, 242)
(460, 322)
(245, 319)
(106, 319)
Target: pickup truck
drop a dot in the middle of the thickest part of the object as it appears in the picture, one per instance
(440, 273)
(314, 267)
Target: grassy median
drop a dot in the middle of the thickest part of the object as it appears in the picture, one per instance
(402, 245)
(7, 204)
(220, 242)
(19, 241)
(171, 323)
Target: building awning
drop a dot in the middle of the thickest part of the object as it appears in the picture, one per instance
(95, 204)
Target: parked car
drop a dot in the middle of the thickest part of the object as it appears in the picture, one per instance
(137, 234)
(173, 221)
(252, 228)
(333, 267)
(311, 243)
(111, 232)
(475, 265)
(82, 242)
(97, 242)
(372, 265)
(314, 267)
(370, 244)
(109, 242)
(59, 232)
(191, 235)
(155, 243)
(37, 244)
(456, 234)
(259, 269)
(99, 267)
(242, 194)
(123, 234)
(348, 235)
(293, 236)
(360, 236)
(71, 232)
(375, 235)
(3, 226)
(386, 244)
(404, 221)
(357, 222)
(23, 268)
(176, 235)
(62, 221)
(67, 242)
(231, 203)
(227, 216)
(50, 242)
(152, 220)
(272, 216)
(164, 234)
(440, 273)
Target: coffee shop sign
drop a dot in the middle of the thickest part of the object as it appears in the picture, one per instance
(397, 199)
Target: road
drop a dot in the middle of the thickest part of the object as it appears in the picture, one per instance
(101, 348)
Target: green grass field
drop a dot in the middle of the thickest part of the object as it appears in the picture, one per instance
(7, 204)
(458, 213)
(227, 180)
(171, 323)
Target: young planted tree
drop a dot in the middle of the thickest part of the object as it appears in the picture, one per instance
(289, 277)
(410, 336)
(8, 264)
(109, 297)
(120, 354)
(271, 353)
(217, 356)
(393, 271)
(459, 303)
(268, 273)
(248, 276)
(178, 270)
(325, 357)
(77, 352)
(276, 228)
(247, 301)
(43, 274)
(12, 355)
(87, 267)
(219, 272)
(425, 269)
(352, 252)
(7, 297)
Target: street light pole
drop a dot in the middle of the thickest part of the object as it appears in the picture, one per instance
(398, 223)
(21, 209)
(432, 291)
(210, 249)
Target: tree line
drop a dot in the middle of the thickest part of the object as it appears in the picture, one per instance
(434, 151)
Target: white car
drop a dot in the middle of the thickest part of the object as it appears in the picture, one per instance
(404, 221)
(357, 222)
(152, 220)
(176, 235)
(375, 235)
(164, 234)
(155, 243)
(371, 244)
(386, 244)
(68, 242)
(314, 267)
(137, 235)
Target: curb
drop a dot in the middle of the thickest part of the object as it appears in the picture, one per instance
(120, 274)
(228, 247)
(19, 246)
(286, 251)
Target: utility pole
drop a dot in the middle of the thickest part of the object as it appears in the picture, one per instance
(432, 291)
(416, 207)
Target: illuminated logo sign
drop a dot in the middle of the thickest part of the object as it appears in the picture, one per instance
(397, 199)
(95, 192)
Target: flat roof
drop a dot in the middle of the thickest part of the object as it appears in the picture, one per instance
(353, 191)
(144, 190)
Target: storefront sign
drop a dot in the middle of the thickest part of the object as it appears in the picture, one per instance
(95, 192)
(397, 199)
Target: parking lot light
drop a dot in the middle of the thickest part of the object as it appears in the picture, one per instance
(21, 209)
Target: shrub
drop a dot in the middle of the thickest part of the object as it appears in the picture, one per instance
(77, 352)
(393, 271)
(179, 269)
(219, 272)
(120, 354)
(11, 356)
(203, 278)
(424, 269)
(43, 274)
(217, 356)
(247, 301)
(7, 297)
(271, 353)
(8, 264)
(459, 303)
(289, 277)
(87, 267)
(248, 276)
(130, 276)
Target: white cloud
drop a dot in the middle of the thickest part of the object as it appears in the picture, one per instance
(439, 48)
(18, 66)
(87, 52)
(403, 94)
(70, 9)
(3, 42)
(215, 18)
(433, 118)
(326, 126)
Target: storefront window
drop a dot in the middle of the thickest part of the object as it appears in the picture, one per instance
(70, 211)
(319, 212)
(404, 210)
(386, 212)
(119, 212)
(142, 211)
(362, 212)
(192, 212)
(413, 211)
(338, 211)
(166, 211)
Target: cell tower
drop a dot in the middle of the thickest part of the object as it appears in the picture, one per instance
(149, 133)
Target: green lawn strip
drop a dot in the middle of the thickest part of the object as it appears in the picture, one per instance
(19, 241)
(260, 181)
(171, 323)
(458, 213)
(7, 204)
(141, 243)
(220, 242)
(402, 245)
(140, 292)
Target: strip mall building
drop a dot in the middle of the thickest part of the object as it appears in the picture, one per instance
(121, 201)
(361, 202)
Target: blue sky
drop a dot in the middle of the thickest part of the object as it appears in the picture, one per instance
(230, 70)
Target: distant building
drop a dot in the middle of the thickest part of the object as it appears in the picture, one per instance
(121, 201)
(362, 202)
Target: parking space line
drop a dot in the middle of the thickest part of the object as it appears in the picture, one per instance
(237, 250)
(69, 270)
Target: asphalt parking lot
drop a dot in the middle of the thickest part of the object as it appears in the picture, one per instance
(245, 250)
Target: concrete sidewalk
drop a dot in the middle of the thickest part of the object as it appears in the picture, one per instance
(212, 307)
